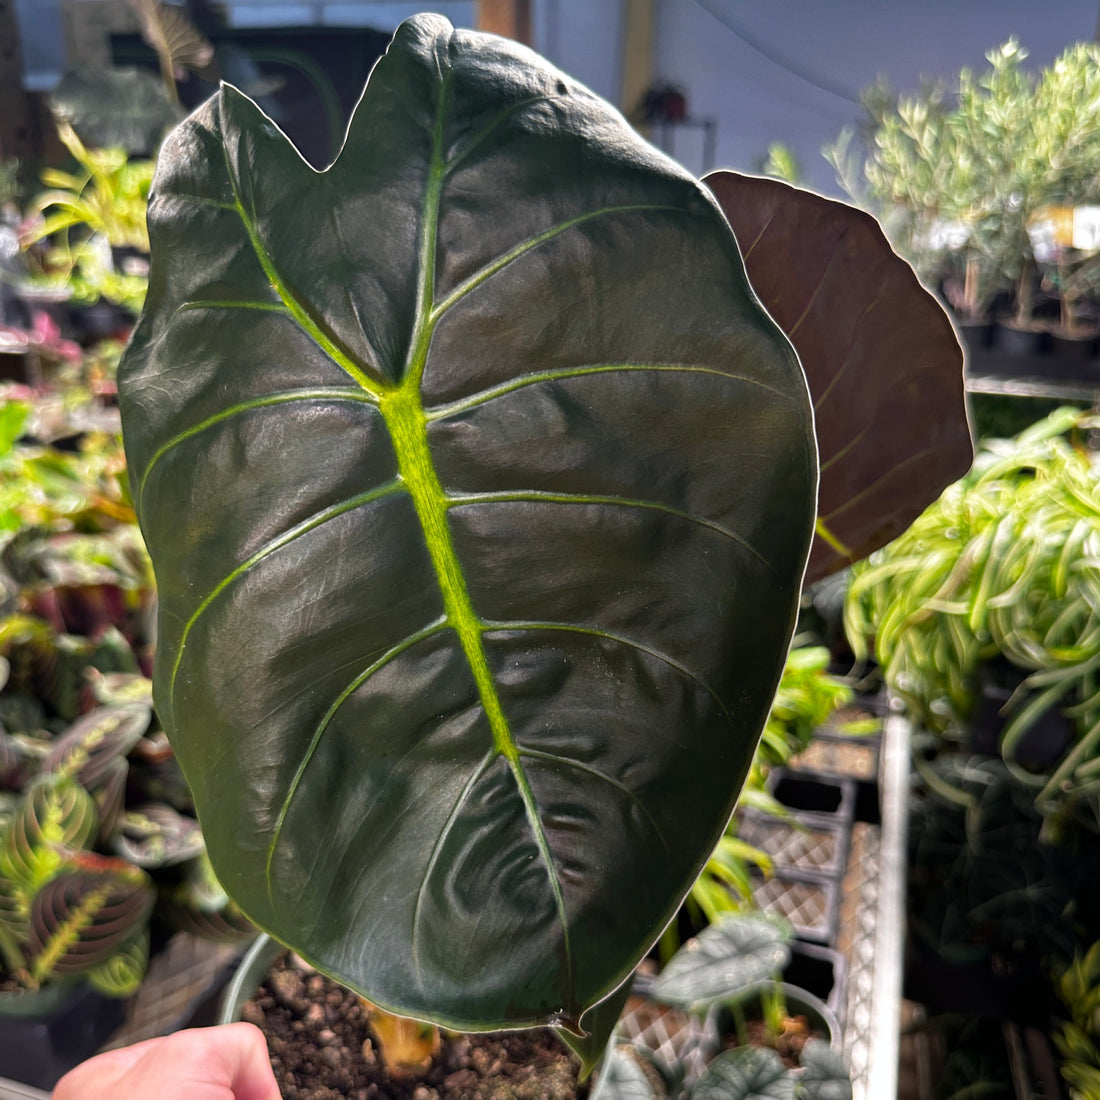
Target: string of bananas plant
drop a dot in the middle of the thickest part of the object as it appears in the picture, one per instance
(1006, 562)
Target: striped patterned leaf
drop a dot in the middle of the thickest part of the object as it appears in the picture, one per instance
(86, 913)
(110, 800)
(158, 836)
(200, 906)
(86, 750)
(121, 974)
(118, 688)
(55, 812)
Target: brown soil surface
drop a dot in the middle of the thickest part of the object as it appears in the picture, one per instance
(323, 1048)
(11, 984)
(788, 1044)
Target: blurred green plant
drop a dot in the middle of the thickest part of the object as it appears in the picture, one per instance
(66, 911)
(781, 163)
(1005, 564)
(1078, 1037)
(88, 212)
(806, 698)
(730, 963)
(83, 491)
(95, 820)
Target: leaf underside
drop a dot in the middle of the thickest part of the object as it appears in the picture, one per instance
(478, 489)
(882, 360)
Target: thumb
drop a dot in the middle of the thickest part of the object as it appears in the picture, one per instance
(242, 1050)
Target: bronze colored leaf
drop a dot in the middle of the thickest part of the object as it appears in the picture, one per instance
(881, 358)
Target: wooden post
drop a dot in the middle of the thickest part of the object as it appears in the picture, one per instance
(510, 18)
(639, 35)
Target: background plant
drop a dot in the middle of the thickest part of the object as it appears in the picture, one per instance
(806, 698)
(1004, 563)
(86, 213)
(1078, 1037)
(76, 614)
(729, 964)
(65, 911)
(960, 175)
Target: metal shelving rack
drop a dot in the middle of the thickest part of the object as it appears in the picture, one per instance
(873, 926)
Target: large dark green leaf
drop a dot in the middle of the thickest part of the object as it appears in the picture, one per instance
(478, 488)
(882, 360)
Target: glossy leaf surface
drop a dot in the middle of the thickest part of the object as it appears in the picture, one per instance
(478, 489)
(882, 360)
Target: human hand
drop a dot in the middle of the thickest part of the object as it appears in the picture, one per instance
(208, 1063)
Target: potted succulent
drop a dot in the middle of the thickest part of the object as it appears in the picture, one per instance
(480, 457)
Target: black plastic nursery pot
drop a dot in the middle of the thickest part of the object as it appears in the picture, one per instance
(248, 977)
(991, 989)
(1073, 349)
(976, 333)
(100, 320)
(18, 365)
(1013, 342)
(815, 796)
(823, 973)
(45, 1033)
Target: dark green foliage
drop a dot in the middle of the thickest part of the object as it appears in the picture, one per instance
(478, 512)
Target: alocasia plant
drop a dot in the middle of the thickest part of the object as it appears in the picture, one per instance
(479, 489)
